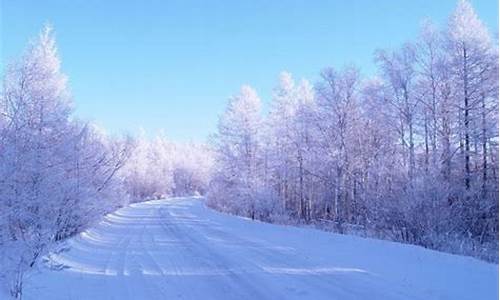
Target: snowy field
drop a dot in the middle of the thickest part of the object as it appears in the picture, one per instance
(179, 249)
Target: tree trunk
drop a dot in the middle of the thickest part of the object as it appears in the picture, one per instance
(466, 122)
(485, 148)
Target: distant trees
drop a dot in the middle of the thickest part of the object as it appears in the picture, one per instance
(192, 170)
(148, 173)
(411, 154)
(57, 175)
(158, 168)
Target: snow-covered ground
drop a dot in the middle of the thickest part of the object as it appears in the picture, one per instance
(179, 249)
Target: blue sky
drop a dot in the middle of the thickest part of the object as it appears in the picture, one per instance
(172, 64)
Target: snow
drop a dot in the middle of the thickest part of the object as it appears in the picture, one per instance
(178, 248)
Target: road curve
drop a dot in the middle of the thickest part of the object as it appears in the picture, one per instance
(179, 249)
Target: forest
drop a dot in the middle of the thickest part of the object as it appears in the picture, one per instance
(409, 154)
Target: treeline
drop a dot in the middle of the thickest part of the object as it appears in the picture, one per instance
(159, 168)
(410, 154)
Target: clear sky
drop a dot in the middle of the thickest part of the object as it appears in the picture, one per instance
(172, 64)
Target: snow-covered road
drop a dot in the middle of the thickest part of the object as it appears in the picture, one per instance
(179, 249)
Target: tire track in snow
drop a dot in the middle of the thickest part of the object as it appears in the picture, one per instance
(235, 281)
(148, 259)
(263, 257)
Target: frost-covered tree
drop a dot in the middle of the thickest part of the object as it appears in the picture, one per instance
(191, 169)
(159, 168)
(473, 63)
(398, 70)
(303, 141)
(290, 126)
(57, 175)
(337, 118)
(279, 124)
(237, 175)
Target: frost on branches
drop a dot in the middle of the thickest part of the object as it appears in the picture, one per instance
(159, 168)
(56, 173)
(409, 155)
